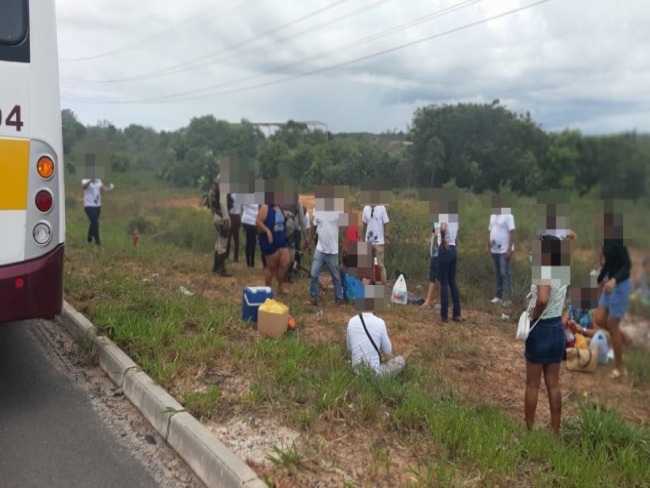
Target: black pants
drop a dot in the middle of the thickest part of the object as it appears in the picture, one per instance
(93, 228)
(235, 224)
(298, 243)
(251, 243)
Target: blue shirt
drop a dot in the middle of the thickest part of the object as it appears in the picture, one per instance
(275, 223)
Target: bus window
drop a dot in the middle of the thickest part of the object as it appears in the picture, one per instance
(13, 22)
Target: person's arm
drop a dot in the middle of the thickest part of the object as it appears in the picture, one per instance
(385, 346)
(259, 222)
(627, 265)
(86, 183)
(312, 236)
(211, 193)
(543, 294)
(443, 233)
(108, 188)
(386, 223)
(223, 203)
(511, 244)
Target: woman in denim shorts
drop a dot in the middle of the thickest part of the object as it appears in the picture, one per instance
(614, 278)
(546, 342)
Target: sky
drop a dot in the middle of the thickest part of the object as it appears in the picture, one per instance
(355, 65)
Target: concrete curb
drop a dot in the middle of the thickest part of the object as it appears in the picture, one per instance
(215, 464)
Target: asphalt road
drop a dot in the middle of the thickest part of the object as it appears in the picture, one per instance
(54, 432)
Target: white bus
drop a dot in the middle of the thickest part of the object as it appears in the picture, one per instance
(32, 223)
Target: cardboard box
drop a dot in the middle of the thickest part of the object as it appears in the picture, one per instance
(272, 324)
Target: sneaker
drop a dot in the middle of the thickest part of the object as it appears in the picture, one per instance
(495, 300)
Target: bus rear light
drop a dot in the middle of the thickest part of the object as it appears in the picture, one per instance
(20, 283)
(42, 233)
(45, 167)
(44, 201)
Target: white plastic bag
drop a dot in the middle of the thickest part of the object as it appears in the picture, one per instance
(400, 293)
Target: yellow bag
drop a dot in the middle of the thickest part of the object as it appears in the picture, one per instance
(273, 306)
(581, 342)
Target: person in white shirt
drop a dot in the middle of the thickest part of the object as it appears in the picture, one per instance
(93, 188)
(366, 343)
(447, 259)
(376, 230)
(501, 244)
(235, 225)
(248, 218)
(326, 225)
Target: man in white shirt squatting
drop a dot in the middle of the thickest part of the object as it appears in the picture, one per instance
(367, 337)
(501, 243)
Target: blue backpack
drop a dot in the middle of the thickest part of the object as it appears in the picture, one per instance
(350, 285)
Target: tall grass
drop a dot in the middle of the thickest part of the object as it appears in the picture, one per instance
(311, 386)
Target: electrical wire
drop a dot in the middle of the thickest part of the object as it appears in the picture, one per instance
(373, 37)
(323, 69)
(205, 60)
(145, 41)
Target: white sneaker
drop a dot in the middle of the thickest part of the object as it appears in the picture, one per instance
(495, 300)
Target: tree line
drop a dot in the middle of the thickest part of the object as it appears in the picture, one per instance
(479, 147)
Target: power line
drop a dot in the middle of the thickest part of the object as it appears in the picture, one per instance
(268, 32)
(199, 62)
(373, 37)
(419, 20)
(326, 68)
(365, 40)
(201, 17)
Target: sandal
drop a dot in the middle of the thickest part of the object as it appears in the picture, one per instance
(618, 373)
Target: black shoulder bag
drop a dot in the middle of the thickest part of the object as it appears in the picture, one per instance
(381, 359)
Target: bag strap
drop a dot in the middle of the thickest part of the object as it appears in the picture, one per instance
(368, 334)
(588, 360)
(530, 308)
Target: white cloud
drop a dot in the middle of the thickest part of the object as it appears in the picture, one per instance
(568, 62)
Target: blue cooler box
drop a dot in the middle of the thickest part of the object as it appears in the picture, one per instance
(253, 297)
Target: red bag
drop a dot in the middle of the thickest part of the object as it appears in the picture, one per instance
(569, 335)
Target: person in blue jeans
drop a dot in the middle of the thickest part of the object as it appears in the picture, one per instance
(614, 278)
(447, 258)
(326, 226)
(501, 244)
